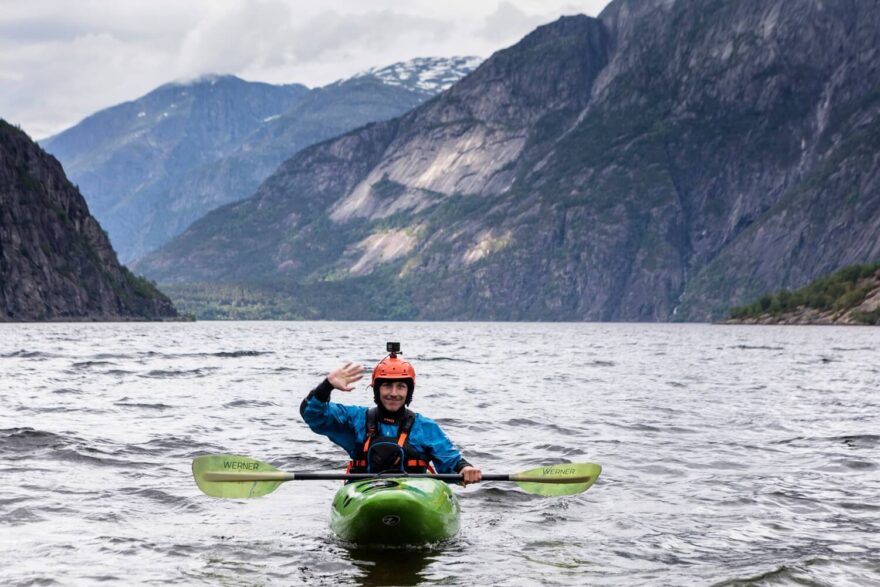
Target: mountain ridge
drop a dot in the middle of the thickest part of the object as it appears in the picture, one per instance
(151, 166)
(662, 162)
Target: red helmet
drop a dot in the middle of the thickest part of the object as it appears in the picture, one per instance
(393, 368)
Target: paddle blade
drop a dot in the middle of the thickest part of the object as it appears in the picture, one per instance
(232, 464)
(564, 479)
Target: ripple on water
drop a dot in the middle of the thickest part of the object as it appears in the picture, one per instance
(196, 355)
(728, 453)
(853, 440)
(173, 446)
(162, 497)
(17, 440)
(127, 403)
(20, 517)
(89, 364)
(172, 373)
(249, 403)
(747, 347)
(812, 571)
(28, 444)
(25, 354)
(68, 390)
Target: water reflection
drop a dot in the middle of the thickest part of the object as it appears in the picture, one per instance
(391, 566)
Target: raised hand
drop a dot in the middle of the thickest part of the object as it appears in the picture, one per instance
(346, 376)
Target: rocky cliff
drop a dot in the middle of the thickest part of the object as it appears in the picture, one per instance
(150, 167)
(662, 162)
(55, 261)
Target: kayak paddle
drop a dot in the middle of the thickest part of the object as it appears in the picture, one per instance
(241, 477)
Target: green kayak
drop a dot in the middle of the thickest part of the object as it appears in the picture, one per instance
(395, 511)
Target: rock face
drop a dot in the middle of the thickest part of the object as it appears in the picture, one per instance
(149, 168)
(55, 261)
(662, 162)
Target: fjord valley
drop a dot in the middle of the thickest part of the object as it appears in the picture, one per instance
(56, 262)
(525, 226)
(664, 161)
(152, 166)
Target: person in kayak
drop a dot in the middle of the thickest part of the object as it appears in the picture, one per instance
(388, 437)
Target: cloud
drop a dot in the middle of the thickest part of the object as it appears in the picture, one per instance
(508, 22)
(271, 36)
(50, 81)
(331, 34)
(61, 61)
(133, 20)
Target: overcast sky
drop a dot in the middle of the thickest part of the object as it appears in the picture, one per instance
(61, 60)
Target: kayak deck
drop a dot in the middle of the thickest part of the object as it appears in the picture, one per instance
(395, 511)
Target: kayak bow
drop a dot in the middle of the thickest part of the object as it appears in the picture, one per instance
(395, 511)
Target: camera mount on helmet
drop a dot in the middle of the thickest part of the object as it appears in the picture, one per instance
(393, 368)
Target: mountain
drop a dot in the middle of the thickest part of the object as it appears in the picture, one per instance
(151, 167)
(126, 157)
(662, 162)
(55, 261)
(323, 113)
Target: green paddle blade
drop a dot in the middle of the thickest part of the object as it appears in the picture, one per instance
(553, 480)
(205, 466)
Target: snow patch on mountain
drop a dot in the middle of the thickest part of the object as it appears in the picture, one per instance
(430, 75)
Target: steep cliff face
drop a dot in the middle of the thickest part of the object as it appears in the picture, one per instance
(321, 114)
(769, 127)
(664, 161)
(150, 167)
(55, 261)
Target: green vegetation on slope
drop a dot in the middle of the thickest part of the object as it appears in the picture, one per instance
(837, 292)
(372, 297)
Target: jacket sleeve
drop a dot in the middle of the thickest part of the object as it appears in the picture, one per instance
(335, 421)
(446, 458)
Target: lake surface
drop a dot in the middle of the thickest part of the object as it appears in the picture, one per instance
(732, 455)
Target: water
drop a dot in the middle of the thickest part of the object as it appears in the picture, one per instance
(732, 455)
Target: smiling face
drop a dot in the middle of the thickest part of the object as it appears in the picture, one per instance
(392, 394)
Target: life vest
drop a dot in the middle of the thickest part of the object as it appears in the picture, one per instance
(385, 454)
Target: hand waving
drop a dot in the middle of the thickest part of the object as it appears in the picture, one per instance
(346, 376)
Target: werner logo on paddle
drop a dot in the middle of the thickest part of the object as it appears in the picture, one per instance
(239, 465)
(237, 477)
(558, 471)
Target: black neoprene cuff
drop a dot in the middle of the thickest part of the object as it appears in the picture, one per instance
(461, 465)
(322, 392)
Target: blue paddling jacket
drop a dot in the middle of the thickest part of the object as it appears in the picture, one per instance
(347, 427)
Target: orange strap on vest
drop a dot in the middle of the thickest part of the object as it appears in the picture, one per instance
(410, 463)
(372, 430)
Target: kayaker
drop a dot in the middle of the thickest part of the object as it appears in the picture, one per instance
(388, 437)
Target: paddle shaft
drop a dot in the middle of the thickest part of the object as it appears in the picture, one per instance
(453, 477)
